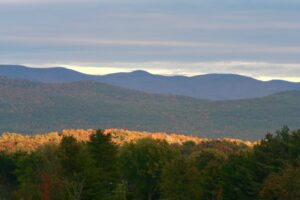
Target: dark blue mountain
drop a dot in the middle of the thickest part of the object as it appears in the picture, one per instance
(210, 86)
(47, 75)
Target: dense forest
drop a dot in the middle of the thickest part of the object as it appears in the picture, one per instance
(147, 168)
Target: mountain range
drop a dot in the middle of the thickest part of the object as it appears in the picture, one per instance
(209, 86)
(34, 107)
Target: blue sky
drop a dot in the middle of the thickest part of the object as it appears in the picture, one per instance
(251, 37)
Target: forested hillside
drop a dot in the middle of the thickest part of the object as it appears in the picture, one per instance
(152, 169)
(33, 107)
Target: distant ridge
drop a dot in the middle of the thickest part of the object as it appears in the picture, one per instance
(209, 86)
(47, 75)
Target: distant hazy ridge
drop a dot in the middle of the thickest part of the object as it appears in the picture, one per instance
(211, 86)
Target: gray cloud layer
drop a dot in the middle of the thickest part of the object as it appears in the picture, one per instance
(184, 33)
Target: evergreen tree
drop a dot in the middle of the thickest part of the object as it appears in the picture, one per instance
(104, 153)
(81, 176)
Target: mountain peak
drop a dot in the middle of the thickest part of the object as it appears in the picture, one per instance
(140, 72)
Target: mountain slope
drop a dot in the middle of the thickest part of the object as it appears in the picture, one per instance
(210, 86)
(32, 107)
(47, 75)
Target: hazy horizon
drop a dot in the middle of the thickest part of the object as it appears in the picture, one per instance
(101, 71)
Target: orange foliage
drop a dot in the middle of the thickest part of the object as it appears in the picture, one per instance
(12, 142)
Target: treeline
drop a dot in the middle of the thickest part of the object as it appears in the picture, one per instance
(154, 169)
(13, 142)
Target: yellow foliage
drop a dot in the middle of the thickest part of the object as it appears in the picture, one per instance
(12, 142)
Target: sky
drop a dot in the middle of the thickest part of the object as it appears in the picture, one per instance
(258, 38)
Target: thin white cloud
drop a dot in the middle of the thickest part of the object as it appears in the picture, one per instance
(214, 47)
(95, 41)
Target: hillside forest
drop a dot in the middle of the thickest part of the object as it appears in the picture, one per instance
(35, 107)
(108, 166)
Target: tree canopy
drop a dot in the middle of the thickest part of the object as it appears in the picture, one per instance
(151, 169)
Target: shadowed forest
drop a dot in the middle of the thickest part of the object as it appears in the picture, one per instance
(102, 165)
(35, 107)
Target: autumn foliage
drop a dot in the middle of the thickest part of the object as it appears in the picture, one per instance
(12, 142)
(126, 165)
